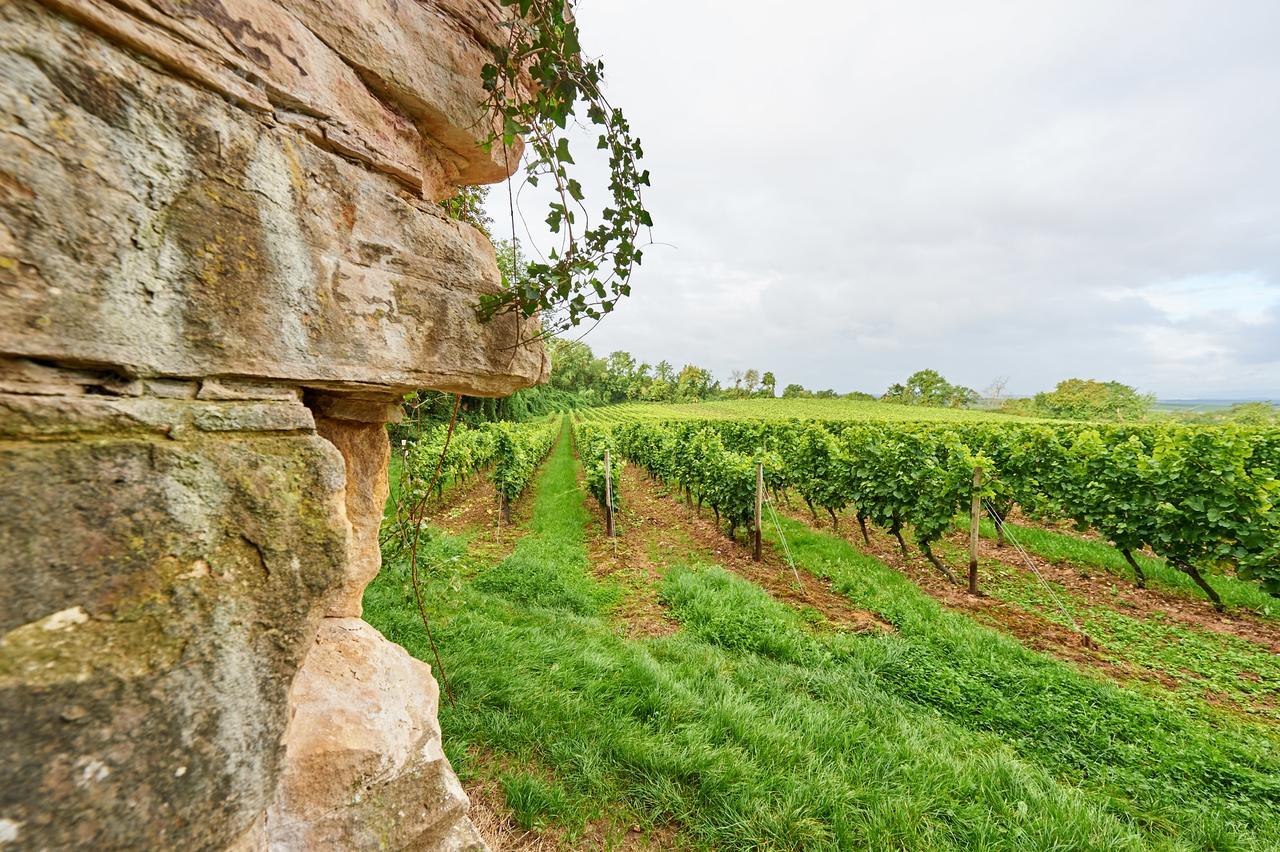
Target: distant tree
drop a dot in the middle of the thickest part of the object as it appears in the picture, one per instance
(660, 391)
(468, 205)
(574, 368)
(510, 258)
(664, 372)
(1086, 399)
(1022, 406)
(735, 376)
(695, 383)
(794, 391)
(995, 390)
(768, 383)
(620, 370)
(750, 379)
(928, 387)
(860, 396)
(640, 381)
(963, 397)
(826, 393)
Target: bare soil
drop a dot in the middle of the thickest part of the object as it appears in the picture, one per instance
(625, 559)
(676, 529)
(472, 508)
(1102, 588)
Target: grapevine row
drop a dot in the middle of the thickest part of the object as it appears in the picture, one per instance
(1199, 497)
(592, 440)
(511, 450)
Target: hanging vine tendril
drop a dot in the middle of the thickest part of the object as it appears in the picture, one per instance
(539, 81)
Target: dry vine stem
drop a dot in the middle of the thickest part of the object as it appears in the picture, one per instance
(416, 516)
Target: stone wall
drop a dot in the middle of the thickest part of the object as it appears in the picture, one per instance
(220, 265)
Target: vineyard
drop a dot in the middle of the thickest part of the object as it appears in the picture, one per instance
(625, 673)
(1203, 499)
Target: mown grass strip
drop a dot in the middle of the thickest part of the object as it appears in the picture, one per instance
(1212, 784)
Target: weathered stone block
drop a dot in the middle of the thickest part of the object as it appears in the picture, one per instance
(152, 226)
(365, 768)
(366, 452)
(160, 596)
(217, 235)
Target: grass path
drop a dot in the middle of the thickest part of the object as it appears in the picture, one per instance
(750, 728)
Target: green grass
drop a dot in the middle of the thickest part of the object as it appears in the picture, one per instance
(1199, 661)
(750, 729)
(1064, 547)
(1163, 765)
(807, 409)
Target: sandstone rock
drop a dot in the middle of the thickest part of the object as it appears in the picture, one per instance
(239, 247)
(159, 597)
(51, 416)
(364, 764)
(365, 452)
(221, 263)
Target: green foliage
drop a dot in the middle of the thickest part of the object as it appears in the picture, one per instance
(534, 802)
(592, 440)
(693, 382)
(722, 610)
(1253, 414)
(517, 450)
(693, 455)
(538, 83)
(893, 476)
(793, 391)
(928, 387)
(1206, 499)
(1086, 399)
(467, 205)
(1089, 555)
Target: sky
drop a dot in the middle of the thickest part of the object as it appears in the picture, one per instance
(846, 192)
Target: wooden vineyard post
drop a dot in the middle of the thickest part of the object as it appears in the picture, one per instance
(757, 554)
(975, 518)
(608, 494)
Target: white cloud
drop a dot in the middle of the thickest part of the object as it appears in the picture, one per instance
(1033, 190)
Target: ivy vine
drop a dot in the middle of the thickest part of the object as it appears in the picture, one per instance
(537, 84)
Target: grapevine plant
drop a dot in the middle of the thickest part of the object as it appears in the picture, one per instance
(538, 83)
(592, 441)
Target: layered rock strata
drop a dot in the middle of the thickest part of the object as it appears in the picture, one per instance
(221, 263)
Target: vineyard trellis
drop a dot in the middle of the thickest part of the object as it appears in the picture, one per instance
(1202, 498)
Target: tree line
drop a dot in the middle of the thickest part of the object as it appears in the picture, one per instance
(580, 379)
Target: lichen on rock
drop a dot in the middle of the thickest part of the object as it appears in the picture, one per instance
(221, 263)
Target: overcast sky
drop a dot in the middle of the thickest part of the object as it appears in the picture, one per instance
(850, 191)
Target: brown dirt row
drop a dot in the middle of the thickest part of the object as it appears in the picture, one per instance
(1101, 588)
(472, 508)
(653, 523)
(1036, 631)
(1030, 629)
(625, 559)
